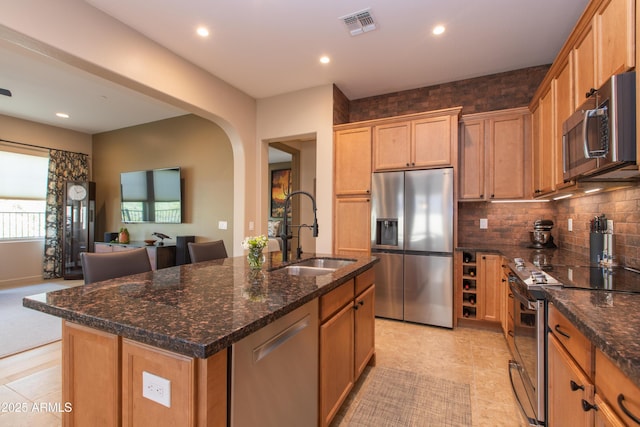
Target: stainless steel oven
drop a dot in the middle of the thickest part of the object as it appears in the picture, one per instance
(527, 370)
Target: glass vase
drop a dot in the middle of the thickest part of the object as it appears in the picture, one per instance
(255, 258)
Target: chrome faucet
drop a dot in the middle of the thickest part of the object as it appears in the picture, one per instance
(285, 236)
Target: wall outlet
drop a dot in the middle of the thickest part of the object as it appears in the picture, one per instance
(156, 388)
(222, 225)
(484, 223)
(570, 224)
(251, 225)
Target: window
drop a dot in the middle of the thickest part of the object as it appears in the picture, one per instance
(23, 189)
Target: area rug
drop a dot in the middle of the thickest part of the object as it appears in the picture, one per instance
(23, 328)
(393, 397)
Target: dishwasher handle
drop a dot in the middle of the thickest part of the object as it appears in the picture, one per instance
(276, 341)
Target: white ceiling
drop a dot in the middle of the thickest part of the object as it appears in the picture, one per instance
(270, 47)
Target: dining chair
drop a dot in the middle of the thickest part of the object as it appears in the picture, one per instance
(109, 265)
(206, 251)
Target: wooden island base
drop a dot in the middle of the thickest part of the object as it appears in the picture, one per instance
(102, 378)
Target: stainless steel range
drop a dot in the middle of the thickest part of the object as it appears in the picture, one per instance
(527, 370)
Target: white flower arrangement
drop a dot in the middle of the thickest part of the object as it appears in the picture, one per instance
(255, 242)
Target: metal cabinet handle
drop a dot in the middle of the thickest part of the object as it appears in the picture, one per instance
(564, 334)
(575, 386)
(586, 406)
(625, 410)
(511, 334)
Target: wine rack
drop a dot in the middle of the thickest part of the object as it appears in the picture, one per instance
(469, 285)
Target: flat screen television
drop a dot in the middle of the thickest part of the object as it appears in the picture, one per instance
(151, 196)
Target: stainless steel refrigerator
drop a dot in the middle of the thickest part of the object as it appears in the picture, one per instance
(412, 234)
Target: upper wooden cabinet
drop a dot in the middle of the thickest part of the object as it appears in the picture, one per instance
(493, 147)
(602, 44)
(352, 149)
(543, 145)
(614, 24)
(417, 141)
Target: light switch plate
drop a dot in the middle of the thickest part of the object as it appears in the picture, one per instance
(222, 225)
(251, 225)
(484, 223)
(156, 388)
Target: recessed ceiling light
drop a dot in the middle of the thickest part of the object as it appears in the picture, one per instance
(438, 29)
(325, 59)
(62, 115)
(202, 32)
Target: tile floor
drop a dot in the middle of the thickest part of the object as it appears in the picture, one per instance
(471, 356)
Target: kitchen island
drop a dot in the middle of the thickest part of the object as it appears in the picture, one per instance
(178, 324)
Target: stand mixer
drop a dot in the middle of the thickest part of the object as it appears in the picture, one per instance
(541, 237)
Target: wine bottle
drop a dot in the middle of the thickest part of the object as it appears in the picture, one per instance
(472, 272)
(465, 313)
(472, 300)
(466, 285)
(466, 256)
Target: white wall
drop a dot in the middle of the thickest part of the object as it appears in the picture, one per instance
(21, 261)
(77, 34)
(304, 112)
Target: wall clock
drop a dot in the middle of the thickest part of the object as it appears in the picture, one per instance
(79, 225)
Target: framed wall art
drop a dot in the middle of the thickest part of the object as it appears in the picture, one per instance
(280, 188)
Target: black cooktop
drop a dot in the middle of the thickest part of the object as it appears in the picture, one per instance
(617, 279)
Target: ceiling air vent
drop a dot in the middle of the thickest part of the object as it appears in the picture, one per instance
(359, 22)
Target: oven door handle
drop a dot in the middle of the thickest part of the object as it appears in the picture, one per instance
(531, 305)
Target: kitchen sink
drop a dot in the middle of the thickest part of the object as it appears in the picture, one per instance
(332, 263)
(317, 266)
(301, 270)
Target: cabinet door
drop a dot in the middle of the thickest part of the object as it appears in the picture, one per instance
(353, 161)
(506, 157)
(90, 357)
(615, 44)
(336, 362)
(562, 111)
(584, 66)
(472, 170)
(364, 329)
(103, 247)
(567, 387)
(605, 416)
(352, 226)
(545, 144)
(392, 146)
(489, 274)
(431, 142)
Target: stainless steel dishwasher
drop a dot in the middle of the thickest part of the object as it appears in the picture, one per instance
(274, 372)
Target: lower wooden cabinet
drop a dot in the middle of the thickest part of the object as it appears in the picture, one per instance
(567, 388)
(477, 289)
(102, 380)
(346, 341)
(613, 386)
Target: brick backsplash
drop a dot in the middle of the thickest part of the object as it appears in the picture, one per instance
(621, 206)
(510, 223)
(487, 93)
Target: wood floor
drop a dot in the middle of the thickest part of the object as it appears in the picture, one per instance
(30, 382)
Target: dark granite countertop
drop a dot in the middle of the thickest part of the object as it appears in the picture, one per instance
(611, 320)
(196, 309)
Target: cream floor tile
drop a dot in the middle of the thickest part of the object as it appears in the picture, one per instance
(36, 386)
(29, 419)
(470, 356)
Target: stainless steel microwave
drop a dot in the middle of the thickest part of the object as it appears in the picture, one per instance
(599, 139)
